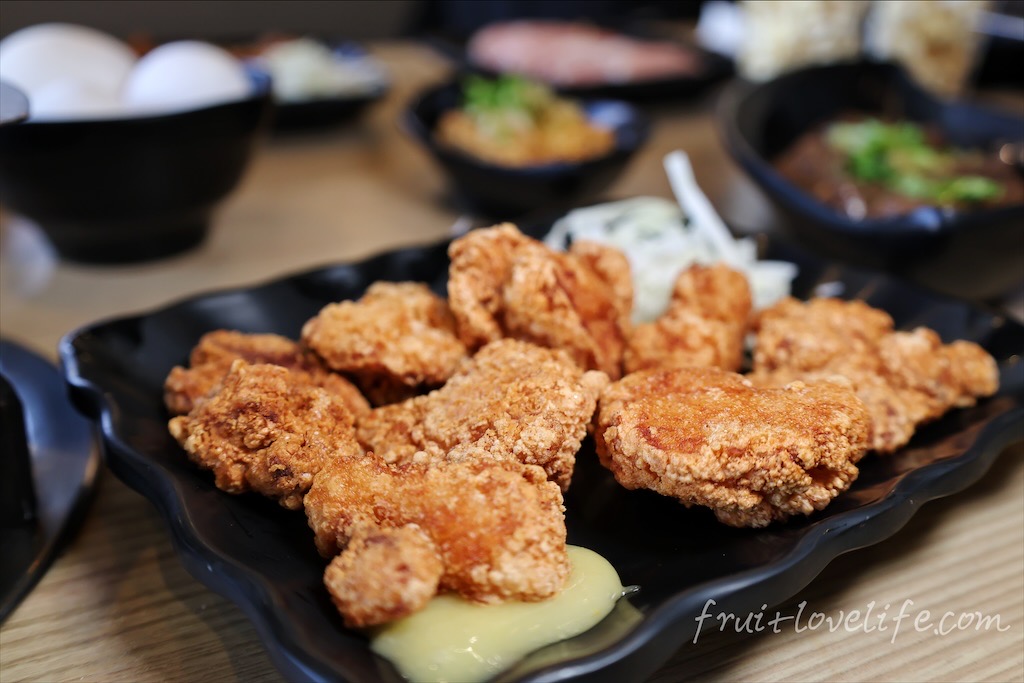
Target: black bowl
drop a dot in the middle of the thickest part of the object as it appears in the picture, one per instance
(506, 192)
(970, 253)
(130, 189)
(322, 112)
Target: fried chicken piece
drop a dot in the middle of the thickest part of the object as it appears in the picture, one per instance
(266, 429)
(504, 284)
(709, 437)
(498, 526)
(809, 335)
(704, 325)
(384, 574)
(216, 351)
(904, 378)
(396, 341)
(513, 400)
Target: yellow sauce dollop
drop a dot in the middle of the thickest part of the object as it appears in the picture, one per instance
(452, 639)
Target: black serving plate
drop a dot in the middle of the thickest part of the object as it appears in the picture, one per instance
(503, 192)
(973, 253)
(262, 557)
(50, 464)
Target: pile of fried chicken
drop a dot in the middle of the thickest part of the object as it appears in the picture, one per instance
(430, 441)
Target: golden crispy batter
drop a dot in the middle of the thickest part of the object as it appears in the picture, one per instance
(216, 351)
(513, 400)
(398, 339)
(504, 284)
(497, 525)
(383, 575)
(708, 437)
(809, 335)
(904, 378)
(266, 429)
(481, 264)
(704, 325)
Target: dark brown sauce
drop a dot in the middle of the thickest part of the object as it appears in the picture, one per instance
(819, 169)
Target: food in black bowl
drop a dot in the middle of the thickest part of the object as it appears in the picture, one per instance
(946, 214)
(316, 83)
(109, 190)
(587, 60)
(511, 146)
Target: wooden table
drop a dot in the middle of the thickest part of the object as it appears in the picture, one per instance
(118, 606)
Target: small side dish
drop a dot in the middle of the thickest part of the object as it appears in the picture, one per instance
(577, 55)
(515, 122)
(865, 167)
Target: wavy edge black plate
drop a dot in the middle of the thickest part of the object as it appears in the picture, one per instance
(621, 656)
(65, 462)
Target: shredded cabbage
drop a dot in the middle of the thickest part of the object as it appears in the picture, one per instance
(659, 244)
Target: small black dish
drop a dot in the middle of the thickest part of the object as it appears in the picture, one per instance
(713, 69)
(261, 556)
(50, 461)
(133, 188)
(323, 112)
(972, 254)
(505, 192)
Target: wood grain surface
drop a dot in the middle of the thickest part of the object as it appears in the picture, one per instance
(118, 606)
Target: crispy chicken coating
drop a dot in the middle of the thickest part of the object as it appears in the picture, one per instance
(504, 284)
(513, 400)
(708, 437)
(809, 335)
(904, 378)
(266, 429)
(397, 340)
(216, 351)
(704, 325)
(384, 574)
(498, 526)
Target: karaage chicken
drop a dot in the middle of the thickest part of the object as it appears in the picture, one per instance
(502, 283)
(396, 341)
(498, 528)
(384, 574)
(266, 429)
(216, 351)
(708, 437)
(704, 325)
(904, 378)
(513, 400)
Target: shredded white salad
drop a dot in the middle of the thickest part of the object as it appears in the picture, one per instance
(659, 244)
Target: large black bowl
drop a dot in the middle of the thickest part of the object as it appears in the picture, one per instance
(262, 556)
(970, 253)
(130, 189)
(505, 192)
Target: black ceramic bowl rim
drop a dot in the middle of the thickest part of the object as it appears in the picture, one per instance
(414, 124)
(924, 221)
(261, 92)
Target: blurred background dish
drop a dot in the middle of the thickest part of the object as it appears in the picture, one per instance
(129, 189)
(505, 177)
(13, 105)
(965, 251)
(51, 464)
(583, 59)
(316, 83)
